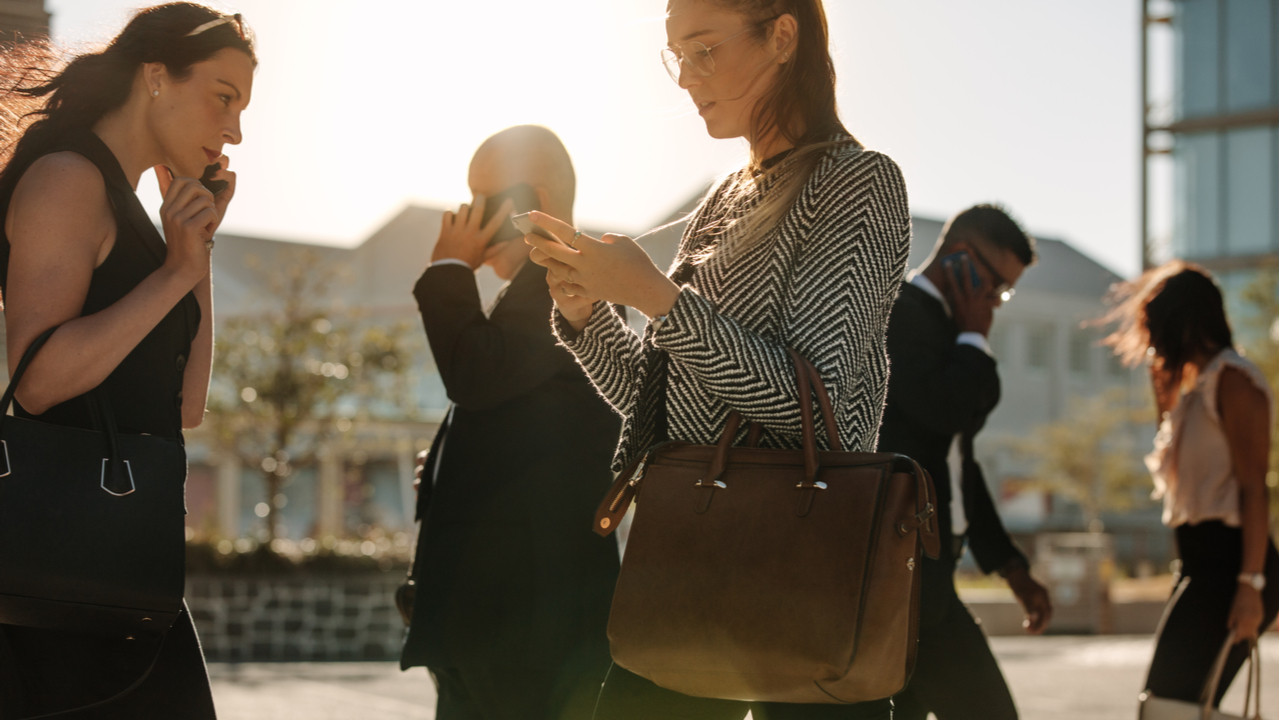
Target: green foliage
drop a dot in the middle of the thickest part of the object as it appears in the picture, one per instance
(1093, 456)
(299, 371)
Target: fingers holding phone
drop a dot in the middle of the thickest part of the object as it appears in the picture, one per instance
(465, 234)
(188, 217)
(970, 296)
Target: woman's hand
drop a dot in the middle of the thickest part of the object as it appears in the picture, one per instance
(612, 268)
(1246, 614)
(189, 215)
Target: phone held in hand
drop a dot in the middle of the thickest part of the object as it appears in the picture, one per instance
(208, 181)
(954, 265)
(523, 199)
(527, 227)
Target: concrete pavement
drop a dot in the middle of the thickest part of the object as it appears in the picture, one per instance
(1052, 678)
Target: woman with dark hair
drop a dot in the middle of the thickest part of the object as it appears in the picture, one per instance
(803, 248)
(133, 309)
(1209, 466)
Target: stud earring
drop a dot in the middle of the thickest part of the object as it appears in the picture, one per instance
(155, 93)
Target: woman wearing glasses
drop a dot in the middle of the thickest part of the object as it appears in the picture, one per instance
(803, 248)
(132, 309)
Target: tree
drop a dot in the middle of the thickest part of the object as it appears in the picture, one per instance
(291, 377)
(1092, 456)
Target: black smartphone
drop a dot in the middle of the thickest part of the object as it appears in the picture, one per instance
(523, 197)
(207, 180)
(952, 263)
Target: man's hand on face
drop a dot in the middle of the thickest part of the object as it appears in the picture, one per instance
(462, 237)
(972, 307)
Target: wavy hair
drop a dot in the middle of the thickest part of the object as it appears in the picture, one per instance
(1167, 316)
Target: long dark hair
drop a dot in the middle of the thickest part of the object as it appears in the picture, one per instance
(1168, 316)
(39, 104)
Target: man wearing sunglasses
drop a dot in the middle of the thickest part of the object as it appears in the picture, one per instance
(942, 386)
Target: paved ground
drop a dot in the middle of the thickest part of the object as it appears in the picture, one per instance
(1053, 678)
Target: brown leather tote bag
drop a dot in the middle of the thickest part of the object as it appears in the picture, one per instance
(771, 575)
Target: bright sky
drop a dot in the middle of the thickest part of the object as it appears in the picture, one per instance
(360, 108)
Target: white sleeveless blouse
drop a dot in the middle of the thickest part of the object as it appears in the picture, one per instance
(1191, 462)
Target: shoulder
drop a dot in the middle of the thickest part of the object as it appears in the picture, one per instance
(852, 166)
(63, 186)
(1241, 385)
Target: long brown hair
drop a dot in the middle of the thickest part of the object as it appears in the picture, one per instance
(800, 106)
(1168, 316)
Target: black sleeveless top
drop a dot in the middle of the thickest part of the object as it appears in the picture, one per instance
(144, 392)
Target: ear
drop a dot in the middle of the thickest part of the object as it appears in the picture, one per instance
(154, 77)
(783, 39)
(544, 198)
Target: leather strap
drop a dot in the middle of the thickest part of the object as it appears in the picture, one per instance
(101, 703)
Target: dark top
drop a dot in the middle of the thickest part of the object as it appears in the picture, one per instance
(508, 570)
(144, 392)
(938, 389)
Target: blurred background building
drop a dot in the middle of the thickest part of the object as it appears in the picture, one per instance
(1209, 151)
(23, 20)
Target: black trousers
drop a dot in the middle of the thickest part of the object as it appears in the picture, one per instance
(1194, 626)
(627, 696)
(45, 671)
(956, 676)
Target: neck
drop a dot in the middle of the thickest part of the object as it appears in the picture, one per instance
(121, 131)
(768, 144)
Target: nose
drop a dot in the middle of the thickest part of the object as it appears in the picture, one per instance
(231, 133)
(688, 78)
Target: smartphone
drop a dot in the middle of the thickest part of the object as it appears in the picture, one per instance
(525, 224)
(523, 199)
(952, 263)
(207, 180)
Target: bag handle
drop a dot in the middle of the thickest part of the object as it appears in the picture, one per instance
(1253, 688)
(117, 475)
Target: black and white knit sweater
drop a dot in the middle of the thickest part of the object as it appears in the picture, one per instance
(822, 282)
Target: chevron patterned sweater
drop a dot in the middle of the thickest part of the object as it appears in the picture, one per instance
(822, 282)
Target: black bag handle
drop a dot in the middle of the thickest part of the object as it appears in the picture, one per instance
(117, 475)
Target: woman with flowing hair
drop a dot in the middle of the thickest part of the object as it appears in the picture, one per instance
(132, 306)
(804, 248)
(1209, 466)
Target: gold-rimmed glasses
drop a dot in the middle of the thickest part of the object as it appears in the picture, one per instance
(1003, 288)
(698, 55)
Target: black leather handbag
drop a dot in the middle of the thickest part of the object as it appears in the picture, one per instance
(91, 523)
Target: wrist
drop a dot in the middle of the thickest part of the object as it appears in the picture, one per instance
(1255, 580)
(662, 301)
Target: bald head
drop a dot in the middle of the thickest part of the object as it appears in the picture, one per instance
(526, 154)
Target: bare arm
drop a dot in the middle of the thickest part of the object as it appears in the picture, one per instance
(60, 227)
(1246, 421)
(195, 379)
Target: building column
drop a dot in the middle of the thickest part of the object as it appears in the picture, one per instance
(329, 513)
(228, 494)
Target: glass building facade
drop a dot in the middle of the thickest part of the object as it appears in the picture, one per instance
(1211, 126)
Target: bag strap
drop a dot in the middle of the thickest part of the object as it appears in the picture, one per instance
(1253, 673)
(107, 701)
(117, 476)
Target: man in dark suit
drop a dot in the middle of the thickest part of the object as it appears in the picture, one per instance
(513, 588)
(942, 386)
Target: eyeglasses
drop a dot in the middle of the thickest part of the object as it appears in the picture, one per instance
(1004, 289)
(698, 55)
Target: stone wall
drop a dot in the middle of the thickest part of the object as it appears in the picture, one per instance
(296, 618)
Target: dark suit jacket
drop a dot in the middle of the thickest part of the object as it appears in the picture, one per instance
(938, 389)
(509, 572)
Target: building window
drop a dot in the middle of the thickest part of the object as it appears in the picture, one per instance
(1040, 346)
(1250, 55)
(1198, 179)
(1080, 354)
(1251, 197)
